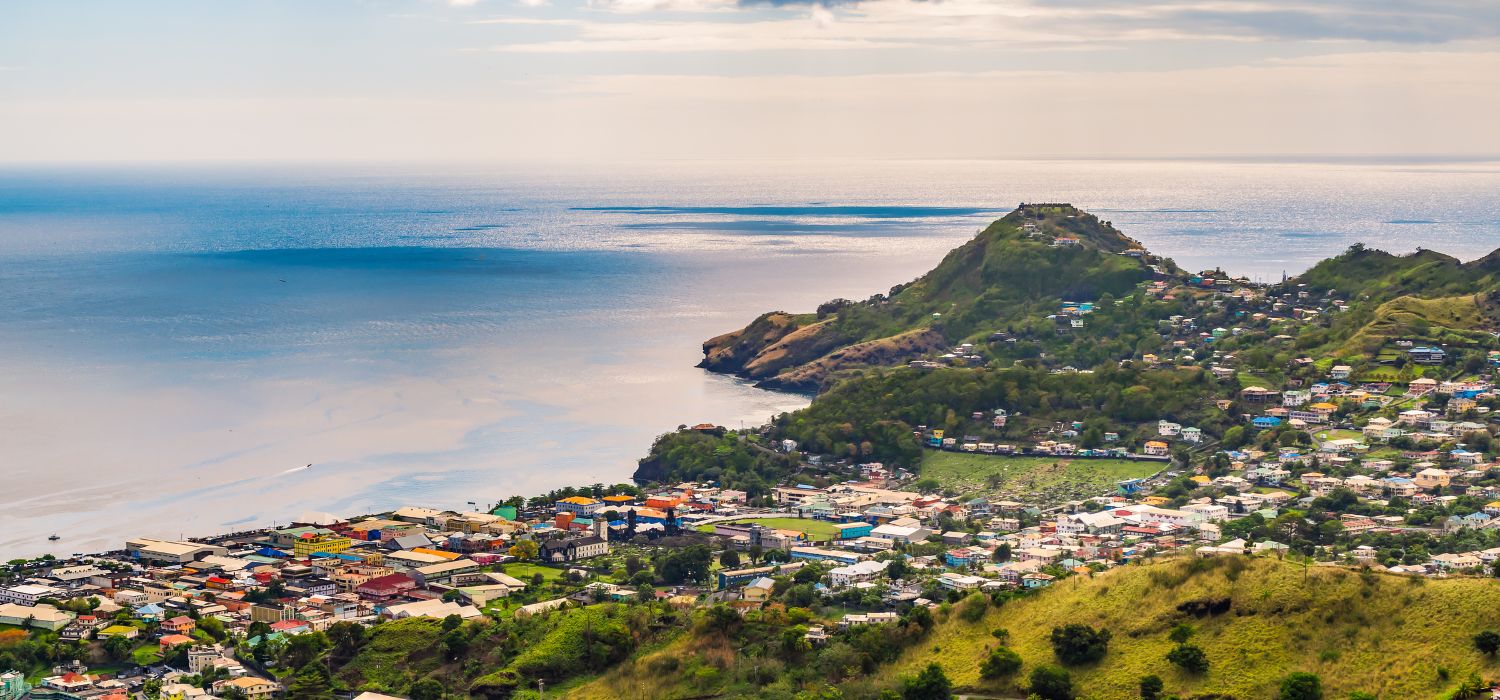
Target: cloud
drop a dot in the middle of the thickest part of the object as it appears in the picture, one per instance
(1399, 21)
(1029, 22)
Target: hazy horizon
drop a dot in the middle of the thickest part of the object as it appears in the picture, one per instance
(497, 80)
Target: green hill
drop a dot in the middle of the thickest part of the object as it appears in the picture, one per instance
(1017, 269)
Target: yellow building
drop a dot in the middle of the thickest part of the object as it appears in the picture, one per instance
(309, 543)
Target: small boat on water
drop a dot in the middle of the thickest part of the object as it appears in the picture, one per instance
(54, 537)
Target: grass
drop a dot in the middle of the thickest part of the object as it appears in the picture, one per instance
(526, 571)
(817, 530)
(1372, 632)
(146, 655)
(1048, 478)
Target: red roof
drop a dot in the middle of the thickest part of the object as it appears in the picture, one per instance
(389, 581)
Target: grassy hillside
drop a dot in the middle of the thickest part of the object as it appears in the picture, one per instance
(1383, 634)
(1013, 272)
(1034, 477)
(1458, 320)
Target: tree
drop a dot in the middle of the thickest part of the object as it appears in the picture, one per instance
(301, 649)
(730, 559)
(1151, 687)
(1051, 683)
(1002, 553)
(1487, 642)
(897, 569)
(1002, 662)
(1301, 686)
(930, 684)
(117, 647)
(426, 689)
(690, 563)
(310, 683)
(524, 550)
(1079, 644)
(1189, 657)
(633, 565)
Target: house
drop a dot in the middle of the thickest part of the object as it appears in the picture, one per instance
(899, 533)
(1168, 428)
(384, 588)
(174, 640)
(249, 687)
(1193, 435)
(182, 624)
(960, 582)
(875, 618)
(1340, 372)
(1036, 580)
(861, 572)
(759, 590)
(1156, 448)
(574, 549)
(1426, 355)
(1431, 478)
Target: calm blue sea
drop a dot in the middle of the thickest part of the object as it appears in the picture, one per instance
(177, 344)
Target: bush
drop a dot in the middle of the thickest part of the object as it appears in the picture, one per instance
(1189, 657)
(930, 684)
(1151, 687)
(1301, 686)
(1487, 642)
(1079, 644)
(1051, 683)
(1002, 662)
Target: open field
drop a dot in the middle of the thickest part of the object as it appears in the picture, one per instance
(526, 571)
(1037, 478)
(817, 530)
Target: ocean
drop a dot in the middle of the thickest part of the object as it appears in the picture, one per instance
(178, 344)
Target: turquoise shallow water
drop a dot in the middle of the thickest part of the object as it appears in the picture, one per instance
(176, 343)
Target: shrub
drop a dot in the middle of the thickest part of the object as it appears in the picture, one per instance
(1002, 662)
(1079, 644)
(1051, 683)
(930, 684)
(1151, 687)
(1301, 686)
(1189, 657)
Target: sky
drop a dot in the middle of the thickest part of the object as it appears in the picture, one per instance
(580, 80)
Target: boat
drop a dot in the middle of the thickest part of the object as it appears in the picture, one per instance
(54, 537)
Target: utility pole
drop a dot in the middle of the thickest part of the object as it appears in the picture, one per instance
(541, 689)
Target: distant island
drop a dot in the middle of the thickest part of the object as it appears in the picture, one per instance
(1057, 466)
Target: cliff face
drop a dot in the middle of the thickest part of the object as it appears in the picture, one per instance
(1028, 260)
